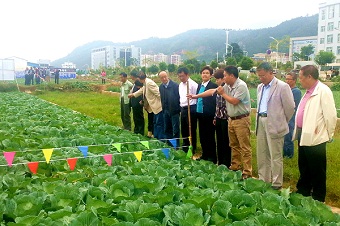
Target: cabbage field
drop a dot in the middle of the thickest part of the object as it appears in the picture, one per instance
(60, 167)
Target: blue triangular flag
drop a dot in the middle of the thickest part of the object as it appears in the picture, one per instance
(173, 142)
(84, 150)
(166, 152)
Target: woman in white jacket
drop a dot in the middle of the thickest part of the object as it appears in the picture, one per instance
(314, 126)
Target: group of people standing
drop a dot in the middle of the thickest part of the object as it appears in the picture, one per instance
(222, 112)
(37, 75)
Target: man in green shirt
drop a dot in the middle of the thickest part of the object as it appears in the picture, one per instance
(125, 107)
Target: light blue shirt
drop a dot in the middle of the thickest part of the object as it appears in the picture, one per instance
(264, 98)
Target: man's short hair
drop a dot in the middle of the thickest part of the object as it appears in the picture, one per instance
(264, 66)
(310, 70)
(183, 69)
(134, 73)
(123, 74)
(142, 75)
(293, 74)
(231, 70)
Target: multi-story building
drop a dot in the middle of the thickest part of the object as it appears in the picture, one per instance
(147, 60)
(297, 43)
(68, 65)
(175, 59)
(329, 28)
(44, 63)
(112, 56)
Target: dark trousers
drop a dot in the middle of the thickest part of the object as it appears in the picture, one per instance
(206, 130)
(150, 121)
(312, 167)
(171, 126)
(185, 128)
(56, 79)
(125, 110)
(27, 79)
(288, 145)
(158, 123)
(222, 137)
(138, 119)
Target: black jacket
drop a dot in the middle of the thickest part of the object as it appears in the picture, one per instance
(209, 103)
(170, 98)
(134, 102)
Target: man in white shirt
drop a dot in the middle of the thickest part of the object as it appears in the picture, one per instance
(186, 87)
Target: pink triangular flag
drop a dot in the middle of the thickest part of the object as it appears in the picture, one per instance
(108, 159)
(9, 156)
(33, 166)
(72, 162)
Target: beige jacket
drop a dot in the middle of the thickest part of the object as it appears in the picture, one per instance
(280, 108)
(319, 117)
(151, 96)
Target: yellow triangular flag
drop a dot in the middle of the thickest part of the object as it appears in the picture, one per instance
(48, 154)
(146, 144)
(118, 146)
(138, 155)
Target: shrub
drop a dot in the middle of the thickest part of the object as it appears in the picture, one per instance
(8, 87)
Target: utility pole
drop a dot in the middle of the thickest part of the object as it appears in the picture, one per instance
(226, 42)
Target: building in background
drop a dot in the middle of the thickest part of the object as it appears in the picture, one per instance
(175, 59)
(68, 65)
(297, 43)
(329, 28)
(44, 63)
(114, 56)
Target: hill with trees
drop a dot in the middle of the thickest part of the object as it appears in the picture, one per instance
(206, 42)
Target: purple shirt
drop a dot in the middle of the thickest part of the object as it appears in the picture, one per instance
(299, 114)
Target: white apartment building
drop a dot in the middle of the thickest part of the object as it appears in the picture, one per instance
(113, 56)
(297, 43)
(68, 65)
(175, 59)
(329, 28)
(147, 60)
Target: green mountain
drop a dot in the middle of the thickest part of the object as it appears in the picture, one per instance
(207, 42)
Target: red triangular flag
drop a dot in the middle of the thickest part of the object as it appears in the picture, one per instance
(9, 156)
(108, 159)
(72, 163)
(33, 166)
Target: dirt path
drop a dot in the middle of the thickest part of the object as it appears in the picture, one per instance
(335, 210)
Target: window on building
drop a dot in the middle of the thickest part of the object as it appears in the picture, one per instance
(323, 14)
(329, 49)
(322, 40)
(338, 50)
(329, 39)
(330, 26)
(331, 12)
(322, 29)
(339, 38)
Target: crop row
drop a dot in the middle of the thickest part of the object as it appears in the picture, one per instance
(158, 190)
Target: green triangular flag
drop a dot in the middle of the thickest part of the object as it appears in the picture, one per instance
(146, 144)
(189, 154)
(118, 146)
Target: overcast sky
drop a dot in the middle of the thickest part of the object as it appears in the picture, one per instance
(51, 29)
